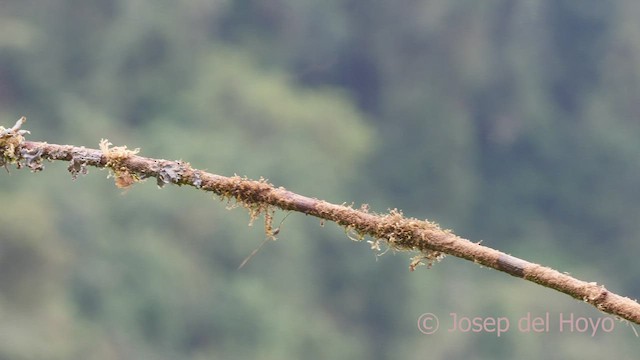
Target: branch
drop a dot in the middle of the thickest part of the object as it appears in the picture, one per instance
(259, 197)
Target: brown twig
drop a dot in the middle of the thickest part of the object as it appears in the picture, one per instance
(399, 232)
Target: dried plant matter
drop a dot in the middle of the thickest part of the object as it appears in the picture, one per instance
(398, 232)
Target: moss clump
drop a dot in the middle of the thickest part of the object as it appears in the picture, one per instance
(10, 140)
(115, 157)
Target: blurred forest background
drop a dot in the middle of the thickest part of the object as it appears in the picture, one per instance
(511, 122)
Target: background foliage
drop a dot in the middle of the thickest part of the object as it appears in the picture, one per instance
(512, 122)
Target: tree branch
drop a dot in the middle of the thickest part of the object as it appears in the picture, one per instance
(259, 197)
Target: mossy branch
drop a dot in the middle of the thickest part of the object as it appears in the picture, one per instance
(423, 237)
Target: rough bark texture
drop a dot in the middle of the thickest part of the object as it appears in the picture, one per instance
(400, 233)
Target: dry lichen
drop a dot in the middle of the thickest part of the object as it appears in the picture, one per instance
(79, 161)
(32, 159)
(197, 179)
(169, 172)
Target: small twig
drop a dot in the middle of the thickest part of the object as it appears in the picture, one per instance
(271, 235)
(253, 253)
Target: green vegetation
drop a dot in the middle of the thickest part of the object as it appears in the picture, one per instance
(514, 123)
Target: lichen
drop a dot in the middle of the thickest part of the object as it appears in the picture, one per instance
(197, 180)
(169, 172)
(77, 166)
(31, 159)
(79, 161)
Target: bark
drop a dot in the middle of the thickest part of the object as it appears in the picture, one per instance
(402, 233)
